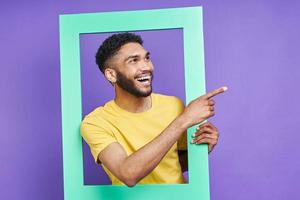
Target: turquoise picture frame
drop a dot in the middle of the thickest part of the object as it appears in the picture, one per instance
(71, 26)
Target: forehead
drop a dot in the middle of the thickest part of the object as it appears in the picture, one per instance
(130, 49)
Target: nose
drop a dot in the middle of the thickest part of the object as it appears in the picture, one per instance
(147, 65)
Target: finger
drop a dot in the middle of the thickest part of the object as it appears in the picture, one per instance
(212, 113)
(206, 141)
(211, 126)
(208, 130)
(204, 127)
(213, 135)
(215, 92)
(207, 124)
(198, 138)
(211, 102)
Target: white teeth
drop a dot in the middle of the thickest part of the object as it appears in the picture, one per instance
(143, 78)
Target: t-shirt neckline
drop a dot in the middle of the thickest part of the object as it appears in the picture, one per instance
(123, 111)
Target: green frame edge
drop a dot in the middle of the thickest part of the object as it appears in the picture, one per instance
(71, 26)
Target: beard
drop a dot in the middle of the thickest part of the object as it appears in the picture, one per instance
(129, 86)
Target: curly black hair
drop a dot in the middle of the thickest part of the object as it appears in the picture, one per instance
(112, 45)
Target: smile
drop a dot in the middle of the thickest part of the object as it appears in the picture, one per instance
(144, 79)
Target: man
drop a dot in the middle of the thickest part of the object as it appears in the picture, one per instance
(140, 136)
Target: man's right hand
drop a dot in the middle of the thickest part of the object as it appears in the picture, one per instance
(201, 108)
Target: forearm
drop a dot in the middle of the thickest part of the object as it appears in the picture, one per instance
(142, 162)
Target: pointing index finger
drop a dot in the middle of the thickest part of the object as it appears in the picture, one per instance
(216, 92)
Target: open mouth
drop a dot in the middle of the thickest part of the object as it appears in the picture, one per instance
(145, 79)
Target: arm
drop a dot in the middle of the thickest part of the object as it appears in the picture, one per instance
(131, 169)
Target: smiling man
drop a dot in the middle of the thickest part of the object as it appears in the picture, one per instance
(140, 136)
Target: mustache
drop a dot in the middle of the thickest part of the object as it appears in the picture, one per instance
(144, 73)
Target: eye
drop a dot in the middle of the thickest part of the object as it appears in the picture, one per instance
(147, 58)
(134, 60)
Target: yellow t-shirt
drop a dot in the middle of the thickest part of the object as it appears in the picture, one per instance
(110, 123)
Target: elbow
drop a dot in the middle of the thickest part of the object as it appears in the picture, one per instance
(130, 183)
(129, 179)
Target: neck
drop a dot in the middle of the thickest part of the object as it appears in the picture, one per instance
(130, 102)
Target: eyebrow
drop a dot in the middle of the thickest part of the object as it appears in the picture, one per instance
(136, 56)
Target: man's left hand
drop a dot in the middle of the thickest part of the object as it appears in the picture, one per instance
(206, 133)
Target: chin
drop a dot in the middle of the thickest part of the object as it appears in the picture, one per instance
(143, 93)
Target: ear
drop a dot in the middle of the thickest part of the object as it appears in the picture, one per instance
(110, 75)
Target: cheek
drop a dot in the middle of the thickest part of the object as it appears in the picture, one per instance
(151, 65)
(129, 71)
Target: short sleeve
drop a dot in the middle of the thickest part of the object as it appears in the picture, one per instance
(97, 135)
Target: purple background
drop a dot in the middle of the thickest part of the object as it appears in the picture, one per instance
(251, 46)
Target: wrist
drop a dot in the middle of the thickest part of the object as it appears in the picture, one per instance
(184, 122)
